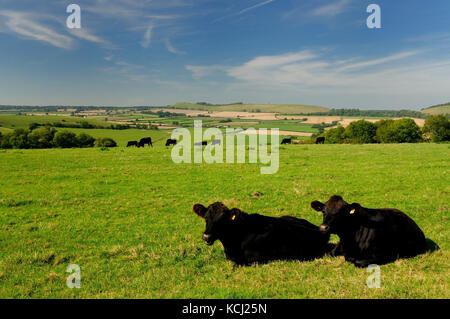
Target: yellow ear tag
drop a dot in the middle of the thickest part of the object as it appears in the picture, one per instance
(233, 217)
(352, 211)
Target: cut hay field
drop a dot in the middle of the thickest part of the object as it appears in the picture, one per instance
(125, 217)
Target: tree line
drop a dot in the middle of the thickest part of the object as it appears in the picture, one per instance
(49, 137)
(83, 124)
(369, 113)
(436, 129)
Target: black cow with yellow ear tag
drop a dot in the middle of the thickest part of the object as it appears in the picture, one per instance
(254, 238)
(370, 236)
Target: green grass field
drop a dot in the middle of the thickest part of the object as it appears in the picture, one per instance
(124, 216)
(22, 121)
(435, 110)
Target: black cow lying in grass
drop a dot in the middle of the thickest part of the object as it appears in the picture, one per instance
(286, 141)
(171, 141)
(132, 143)
(253, 238)
(370, 236)
(144, 141)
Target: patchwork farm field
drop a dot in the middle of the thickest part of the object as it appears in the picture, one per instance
(125, 217)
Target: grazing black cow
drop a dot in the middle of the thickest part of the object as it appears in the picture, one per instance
(320, 140)
(214, 142)
(171, 141)
(144, 141)
(286, 141)
(132, 143)
(370, 236)
(253, 238)
(202, 143)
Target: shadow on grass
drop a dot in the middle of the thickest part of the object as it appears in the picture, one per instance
(431, 246)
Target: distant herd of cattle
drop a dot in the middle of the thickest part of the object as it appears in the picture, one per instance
(148, 141)
(367, 236)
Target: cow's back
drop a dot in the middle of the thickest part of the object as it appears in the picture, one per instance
(397, 235)
(285, 238)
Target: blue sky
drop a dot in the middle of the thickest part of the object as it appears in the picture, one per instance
(142, 52)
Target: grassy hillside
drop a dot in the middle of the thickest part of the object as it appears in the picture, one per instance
(125, 217)
(440, 109)
(23, 121)
(269, 108)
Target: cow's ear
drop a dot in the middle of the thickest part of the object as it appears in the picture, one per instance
(200, 210)
(316, 205)
(354, 208)
(234, 214)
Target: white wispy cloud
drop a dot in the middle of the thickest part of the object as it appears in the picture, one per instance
(390, 58)
(171, 48)
(147, 36)
(332, 9)
(244, 10)
(255, 6)
(27, 26)
(85, 34)
(305, 71)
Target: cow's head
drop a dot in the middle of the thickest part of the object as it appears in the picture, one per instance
(336, 213)
(218, 220)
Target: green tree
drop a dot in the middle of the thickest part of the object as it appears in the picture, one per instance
(361, 132)
(85, 140)
(6, 141)
(105, 142)
(19, 138)
(33, 126)
(407, 131)
(384, 129)
(65, 139)
(42, 137)
(398, 131)
(437, 127)
(335, 135)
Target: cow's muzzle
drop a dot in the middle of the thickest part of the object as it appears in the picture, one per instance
(324, 228)
(208, 239)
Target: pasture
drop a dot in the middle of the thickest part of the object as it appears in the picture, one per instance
(434, 110)
(125, 217)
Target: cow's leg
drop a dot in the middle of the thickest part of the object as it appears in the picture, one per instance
(374, 260)
(253, 257)
(337, 250)
(350, 259)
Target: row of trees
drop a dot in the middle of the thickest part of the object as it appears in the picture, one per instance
(436, 129)
(83, 124)
(370, 113)
(48, 137)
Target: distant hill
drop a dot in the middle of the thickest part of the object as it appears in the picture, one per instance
(264, 108)
(23, 121)
(437, 109)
